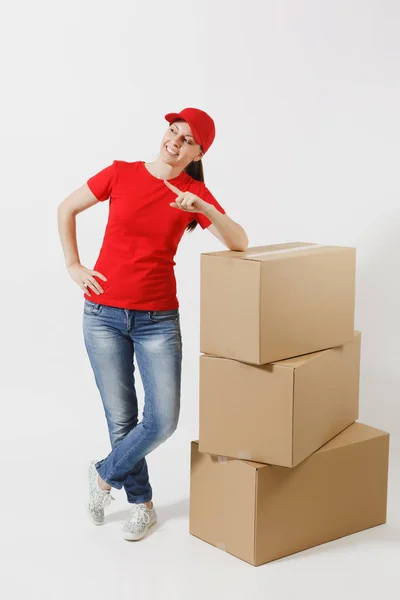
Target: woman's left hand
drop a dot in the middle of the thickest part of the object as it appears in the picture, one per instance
(186, 201)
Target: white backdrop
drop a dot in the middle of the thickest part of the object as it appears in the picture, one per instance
(305, 98)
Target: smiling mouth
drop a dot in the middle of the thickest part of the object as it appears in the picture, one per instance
(172, 153)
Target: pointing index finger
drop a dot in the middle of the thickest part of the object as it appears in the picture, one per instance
(172, 187)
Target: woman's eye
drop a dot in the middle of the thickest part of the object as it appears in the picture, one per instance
(173, 131)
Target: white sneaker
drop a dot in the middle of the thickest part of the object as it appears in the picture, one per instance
(138, 524)
(98, 498)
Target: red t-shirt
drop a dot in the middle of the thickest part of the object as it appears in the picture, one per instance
(142, 235)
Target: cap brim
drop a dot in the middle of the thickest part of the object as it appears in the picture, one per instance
(172, 117)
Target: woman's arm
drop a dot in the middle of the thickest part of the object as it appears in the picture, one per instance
(78, 201)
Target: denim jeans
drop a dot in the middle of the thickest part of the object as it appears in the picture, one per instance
(112, 335)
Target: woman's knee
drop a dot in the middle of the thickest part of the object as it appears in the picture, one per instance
(167, 429)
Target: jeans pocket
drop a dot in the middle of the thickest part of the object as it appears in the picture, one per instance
(158, 316)
(91, 308)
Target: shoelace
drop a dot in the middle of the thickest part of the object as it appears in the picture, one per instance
(139, 514)
(107, 499)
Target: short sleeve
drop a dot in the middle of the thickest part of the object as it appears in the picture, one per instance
(207, 196)
(101, 184)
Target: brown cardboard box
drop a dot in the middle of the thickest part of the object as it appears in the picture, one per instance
(275, 302)
(260, 512)
(281, 412)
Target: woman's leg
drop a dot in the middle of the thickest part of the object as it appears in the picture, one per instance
(110, 350)
(158, 348)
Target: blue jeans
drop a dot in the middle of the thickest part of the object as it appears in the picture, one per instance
(111, 336)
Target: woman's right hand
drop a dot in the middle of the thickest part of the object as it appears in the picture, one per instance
(81, 275)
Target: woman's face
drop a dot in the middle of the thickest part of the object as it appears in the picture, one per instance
(179, 138)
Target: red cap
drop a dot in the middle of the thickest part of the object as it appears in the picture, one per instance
(200, 122)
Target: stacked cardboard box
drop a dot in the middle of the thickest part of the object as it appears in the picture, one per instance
(280, 464)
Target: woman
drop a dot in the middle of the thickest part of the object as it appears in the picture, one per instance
(130, 302)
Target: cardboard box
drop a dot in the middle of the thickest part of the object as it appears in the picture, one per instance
(281, 412)
(261, 512)
(275, 302)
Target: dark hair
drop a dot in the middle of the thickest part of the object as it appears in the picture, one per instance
(195, 170)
